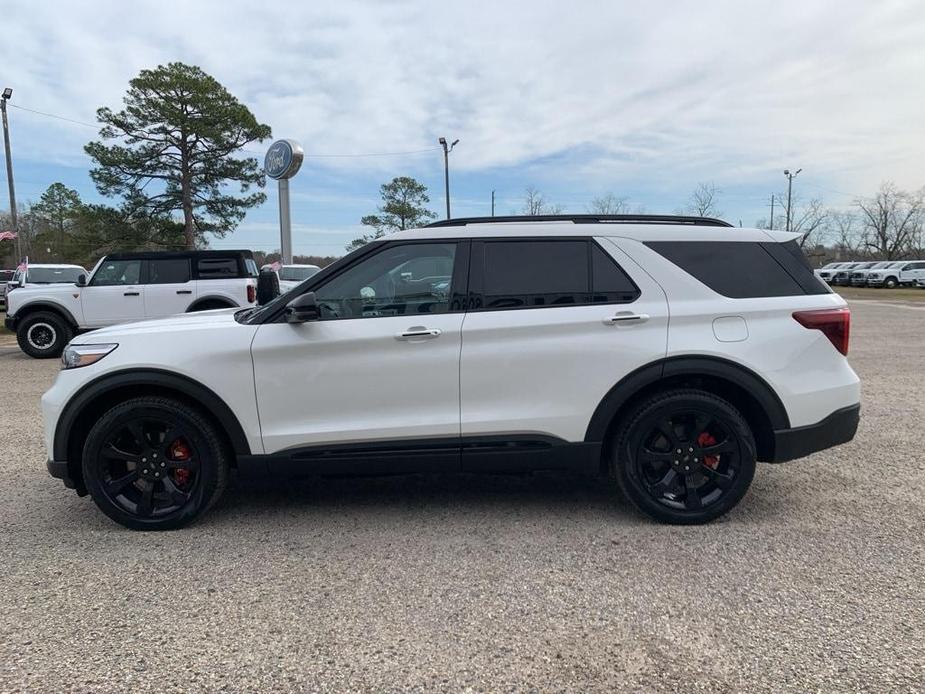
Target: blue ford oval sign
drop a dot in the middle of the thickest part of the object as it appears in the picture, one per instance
(283, 160)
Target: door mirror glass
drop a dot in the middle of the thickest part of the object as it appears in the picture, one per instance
(302, 309)
(81, 280)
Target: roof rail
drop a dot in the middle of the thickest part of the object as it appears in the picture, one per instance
(587, 219)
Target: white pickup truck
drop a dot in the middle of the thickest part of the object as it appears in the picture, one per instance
(126, 287)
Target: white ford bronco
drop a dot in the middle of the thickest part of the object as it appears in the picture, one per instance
(126, 287)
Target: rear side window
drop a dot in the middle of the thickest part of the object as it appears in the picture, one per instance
(217, 268)
(168, 271)
(537, 273)
(744, 269)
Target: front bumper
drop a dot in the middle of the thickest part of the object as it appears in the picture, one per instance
(10, 322)
(58, 469)
(838, 428)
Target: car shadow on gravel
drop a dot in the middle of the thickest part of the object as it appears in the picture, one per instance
(551, 493)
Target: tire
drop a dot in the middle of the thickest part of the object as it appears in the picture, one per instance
(693, 486)
(134, 456)
(43, 335)
(890, 283)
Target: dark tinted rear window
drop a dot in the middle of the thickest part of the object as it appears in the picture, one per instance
(609, 284)
(217, 268)
(743, 269)
(168, 271)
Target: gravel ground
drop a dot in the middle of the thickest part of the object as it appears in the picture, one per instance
(484, 583)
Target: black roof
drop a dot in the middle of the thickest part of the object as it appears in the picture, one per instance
(588, 219)
(149, 255)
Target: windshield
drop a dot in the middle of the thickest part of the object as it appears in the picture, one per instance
(53, 275)
(292, 273)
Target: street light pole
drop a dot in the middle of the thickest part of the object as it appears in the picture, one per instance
(446, 169)
(790, 177)
(7, 93)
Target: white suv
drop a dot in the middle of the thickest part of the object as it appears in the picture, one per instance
(129, 287)
(670, 353)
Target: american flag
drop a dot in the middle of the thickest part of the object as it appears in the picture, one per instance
(276, 266)
(23, 265)
(7, 235)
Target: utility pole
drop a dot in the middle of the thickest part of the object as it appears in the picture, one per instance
(492, 203)
(790, 177)
(7, 93)
(772, 211)
(446, 169)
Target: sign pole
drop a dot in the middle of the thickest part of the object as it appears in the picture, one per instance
(285, 222)
(283, 161)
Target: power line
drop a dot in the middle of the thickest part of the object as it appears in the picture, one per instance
(249, 151)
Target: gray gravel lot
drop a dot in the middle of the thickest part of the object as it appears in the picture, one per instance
(553, 583)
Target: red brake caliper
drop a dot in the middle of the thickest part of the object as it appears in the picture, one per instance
(180, 451)
(706, 439)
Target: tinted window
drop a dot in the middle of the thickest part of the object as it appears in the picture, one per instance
(528, 273)
(609, 284)
(117, 272)
(217, 268)
(405, 279)
(741, 269)
(168, 271)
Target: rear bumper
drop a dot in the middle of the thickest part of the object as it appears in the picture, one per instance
(838, 428)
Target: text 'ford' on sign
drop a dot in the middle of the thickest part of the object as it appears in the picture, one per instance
(283, 160)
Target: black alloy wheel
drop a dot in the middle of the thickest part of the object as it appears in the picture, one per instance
(153, 463)
(685, 457)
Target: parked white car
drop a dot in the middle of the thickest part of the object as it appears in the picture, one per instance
(827, 272)
(491, 344)
(129, 287)
(44, 273)
(887, 275)
(290, 276)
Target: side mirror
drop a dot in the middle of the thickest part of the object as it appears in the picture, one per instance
(267, 286)
(81, 280)
(303, 308)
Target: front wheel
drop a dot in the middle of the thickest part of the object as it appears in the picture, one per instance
(43, 335)
(154, 463)
(890, 283)
(684, 457)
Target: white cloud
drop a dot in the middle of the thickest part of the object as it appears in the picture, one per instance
(616, 92)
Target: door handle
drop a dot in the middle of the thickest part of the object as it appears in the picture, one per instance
(184, 291)
(130, 294)
(626, 317)
(419, 333)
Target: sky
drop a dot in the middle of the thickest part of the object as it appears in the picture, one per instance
(577, 99)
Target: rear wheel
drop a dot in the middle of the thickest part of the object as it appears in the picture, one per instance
(209, 305)
(684, 457)
(154, 463)
(43, 335)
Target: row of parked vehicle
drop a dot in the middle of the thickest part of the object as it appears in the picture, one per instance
(884, 273)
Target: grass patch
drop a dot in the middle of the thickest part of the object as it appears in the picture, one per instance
(3, 330)
(900, 293)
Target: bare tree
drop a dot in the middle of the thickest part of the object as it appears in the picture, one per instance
(810, 220)
(609, 204)
(535, 203)
(702, 202)
(892, 220)
(846, 232)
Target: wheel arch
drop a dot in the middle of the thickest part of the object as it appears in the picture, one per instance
(82, 410)
(211, 299)
(28, 309)
(747, 391)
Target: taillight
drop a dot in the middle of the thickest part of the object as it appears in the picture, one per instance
(835, 324)
(251, 294)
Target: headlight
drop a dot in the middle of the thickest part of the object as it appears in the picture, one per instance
(76, 356)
